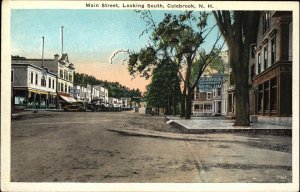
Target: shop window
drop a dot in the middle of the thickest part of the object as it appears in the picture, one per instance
(266, 96)
(273, 51)
(260, 97)
(207, 106)
(273, 95)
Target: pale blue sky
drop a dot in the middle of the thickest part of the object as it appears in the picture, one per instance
(90, 36)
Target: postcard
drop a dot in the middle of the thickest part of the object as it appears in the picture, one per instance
(149, 96)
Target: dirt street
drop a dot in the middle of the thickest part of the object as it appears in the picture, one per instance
(94, 147)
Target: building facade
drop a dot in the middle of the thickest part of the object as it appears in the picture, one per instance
(272, 69)
(33, 87)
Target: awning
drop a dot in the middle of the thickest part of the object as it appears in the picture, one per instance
(68, 99)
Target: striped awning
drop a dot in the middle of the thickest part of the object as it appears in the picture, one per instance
(68, 99)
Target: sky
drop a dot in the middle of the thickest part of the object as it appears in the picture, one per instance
(91, 37)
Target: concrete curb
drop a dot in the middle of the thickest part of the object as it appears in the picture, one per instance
(244, 130)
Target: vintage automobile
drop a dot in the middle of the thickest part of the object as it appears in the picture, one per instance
(75, 106)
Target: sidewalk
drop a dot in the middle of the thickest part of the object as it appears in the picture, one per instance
(218, 124)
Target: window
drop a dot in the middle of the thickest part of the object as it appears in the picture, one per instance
(52, 83)
(36, 79)
(66, 88)
(252, 49)
(266, 96)
(66, 75)
(196, 96)
(252, 73)
(12, 76)
(273, 95)
(31, 77)
(196, 107)
(49, 84)
(61, 75)
(70, 77)
(62, 87)
(219, 91)
(69, 89)
(258, 63)
(58, 86)
(266, 21)
(265, 57)
(208, 95)
(43, 81)
(260, 98)
(273, 51)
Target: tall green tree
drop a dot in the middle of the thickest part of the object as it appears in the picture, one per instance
(164, 90)
(178, 37)
(239, 28)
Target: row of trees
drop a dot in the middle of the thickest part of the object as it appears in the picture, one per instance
(115, 89)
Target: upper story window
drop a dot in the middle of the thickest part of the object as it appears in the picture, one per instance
(36, 79)
(49, 83)
(266, 57)
(252, 49)
(258, 63)
(61, 73)
(66, 75)
(31, 77)
(219, 91)
(52, 83)
(12, 76)
(273, 51)
(266, 21)
(66, 88)
(62, 87)
(208, 95)
(70, 77)
(43, 81)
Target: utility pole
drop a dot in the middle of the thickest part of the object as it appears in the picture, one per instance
(62, 40)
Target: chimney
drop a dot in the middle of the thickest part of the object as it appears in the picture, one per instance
(56, 56)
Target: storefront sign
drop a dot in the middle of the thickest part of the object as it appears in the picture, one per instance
(207, 83)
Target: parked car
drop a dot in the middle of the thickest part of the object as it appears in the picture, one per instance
(75, 106)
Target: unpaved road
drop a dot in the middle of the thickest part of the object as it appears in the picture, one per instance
(81, 147)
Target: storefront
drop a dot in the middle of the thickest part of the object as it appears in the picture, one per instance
(33, 99)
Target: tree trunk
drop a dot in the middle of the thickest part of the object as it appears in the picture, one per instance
(239, 58)
(182, 104)
(188, 98)
(188, 104)
(174, 104)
